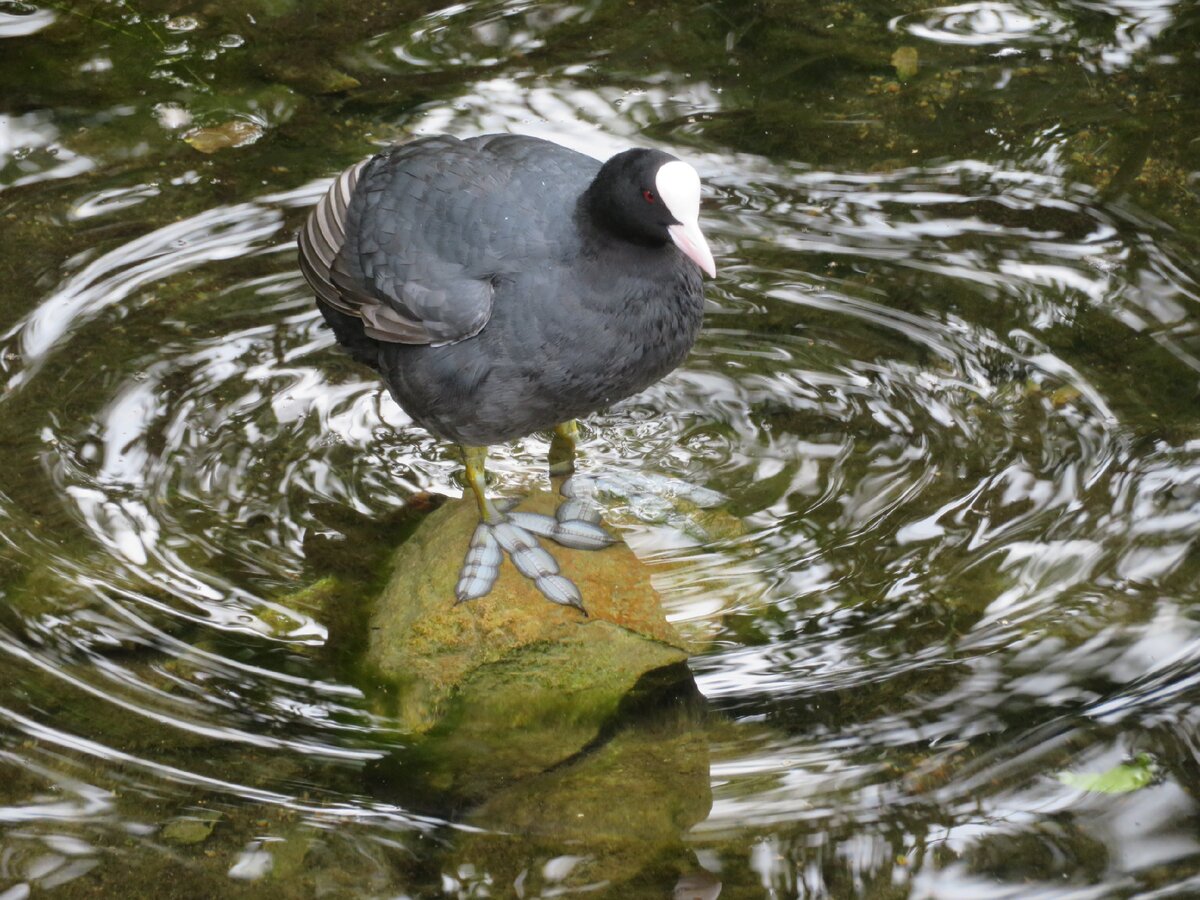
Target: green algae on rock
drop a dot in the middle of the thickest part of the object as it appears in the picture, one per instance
(659, 767)
(509, 685)
(429, 647)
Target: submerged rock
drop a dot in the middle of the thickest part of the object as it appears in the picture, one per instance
(429, 647)
(619, 813)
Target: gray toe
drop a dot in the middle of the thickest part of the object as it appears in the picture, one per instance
(534, 522)
(582, 535)
(534, 562)
(561, 590)
(481, 566)
(579, 486)
(577, 508)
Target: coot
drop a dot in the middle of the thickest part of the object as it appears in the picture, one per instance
(503, 285)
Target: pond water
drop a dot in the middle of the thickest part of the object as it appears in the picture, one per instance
(949, 382)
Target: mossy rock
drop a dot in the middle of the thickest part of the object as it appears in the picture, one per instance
(507, 686)
(428, 647)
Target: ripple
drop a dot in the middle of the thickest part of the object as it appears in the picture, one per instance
(983, 23)
(897, 465)
(30, 151)
(479, 35)
(21, 19)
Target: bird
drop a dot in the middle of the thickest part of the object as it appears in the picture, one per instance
(503, 285)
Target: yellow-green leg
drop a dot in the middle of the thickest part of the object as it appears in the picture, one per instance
(475, 469)
(502, 531)
(562, 448)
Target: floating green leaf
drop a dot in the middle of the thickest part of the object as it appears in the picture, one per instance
(193, 828)
(234, 133)
(1122, 779)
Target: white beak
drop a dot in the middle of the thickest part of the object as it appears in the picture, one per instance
(679, 187)
(690, 240)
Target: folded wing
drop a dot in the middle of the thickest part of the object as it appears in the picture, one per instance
(413, 241)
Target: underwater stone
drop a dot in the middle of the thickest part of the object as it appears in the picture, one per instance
(624, 807)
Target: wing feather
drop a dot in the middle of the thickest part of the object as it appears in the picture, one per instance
(413, 241)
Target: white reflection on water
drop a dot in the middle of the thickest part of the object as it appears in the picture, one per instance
(115, 276)
(19, 20)
(1135, 24)
(597, 121)
(492, 38)
(30, 151)
(983, 23)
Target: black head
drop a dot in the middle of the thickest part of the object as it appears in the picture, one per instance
(624, 198)
(651, 198)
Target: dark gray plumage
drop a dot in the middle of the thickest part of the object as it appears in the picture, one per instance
(473, 275)
(503, 285)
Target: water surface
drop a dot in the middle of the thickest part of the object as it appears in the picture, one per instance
(950, 381)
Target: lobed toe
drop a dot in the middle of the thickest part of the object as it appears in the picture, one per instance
(534, 562)
(561, 590)
(534, 522)
(577, 508)
(579, 535)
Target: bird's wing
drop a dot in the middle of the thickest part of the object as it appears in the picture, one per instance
(413, 240)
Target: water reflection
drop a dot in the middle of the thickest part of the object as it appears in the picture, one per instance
(978, 24)
(1131, 28)
(20, 19)
(483, 35)
(30, 152)
(953, 403)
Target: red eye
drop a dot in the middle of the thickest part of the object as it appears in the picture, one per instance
(649, 195)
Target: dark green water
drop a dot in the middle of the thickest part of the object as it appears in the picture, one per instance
(950, 379)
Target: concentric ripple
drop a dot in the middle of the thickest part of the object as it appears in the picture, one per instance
(983, 23)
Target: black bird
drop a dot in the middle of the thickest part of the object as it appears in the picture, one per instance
(503, 285)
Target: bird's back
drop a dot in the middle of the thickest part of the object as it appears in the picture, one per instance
(465, 274)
